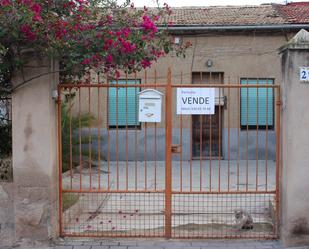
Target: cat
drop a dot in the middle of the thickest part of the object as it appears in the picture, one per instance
(243, 219)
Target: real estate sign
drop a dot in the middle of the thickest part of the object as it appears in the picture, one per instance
(195, 100)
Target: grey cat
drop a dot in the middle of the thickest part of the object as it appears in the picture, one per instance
(243, 219)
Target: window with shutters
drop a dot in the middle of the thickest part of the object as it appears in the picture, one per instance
(123, 104)
(257, 104)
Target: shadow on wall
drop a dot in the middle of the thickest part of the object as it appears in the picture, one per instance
(300, 227)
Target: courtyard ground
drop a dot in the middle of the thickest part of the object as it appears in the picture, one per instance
(194, 215)
(160, 244)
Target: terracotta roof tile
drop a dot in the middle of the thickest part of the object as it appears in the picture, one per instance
(265, 14)
(230, 15)
(295, 12)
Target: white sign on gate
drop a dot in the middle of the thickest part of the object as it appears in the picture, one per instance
(150, 105)
(195, 100)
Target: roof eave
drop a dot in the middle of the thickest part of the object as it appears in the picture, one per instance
(190, 28)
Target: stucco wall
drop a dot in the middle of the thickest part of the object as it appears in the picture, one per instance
(235, 56)
(295, 144)
(7, 214)
(35, 152)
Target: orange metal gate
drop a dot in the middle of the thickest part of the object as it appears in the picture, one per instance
(121, 178)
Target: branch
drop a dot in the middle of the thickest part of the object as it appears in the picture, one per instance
(35, 77)
(97, 211)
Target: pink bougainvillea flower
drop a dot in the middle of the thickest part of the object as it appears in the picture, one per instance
(36, 8)
(167, 8)
(86, 61)
(117, 74)
(37, 18)
(109, 19)
(156, 18)
(109, 60)
(5, 3)
(95, 58)
(126, 32)
(148, 24)
(127, 47)
(145, 63)
(68, 32)
(107, 44)
(70, 4)
(26, 30)
(25, 2)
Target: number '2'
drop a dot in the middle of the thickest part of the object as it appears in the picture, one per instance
(303, 76)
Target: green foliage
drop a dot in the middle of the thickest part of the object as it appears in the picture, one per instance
(71, 141)
(83, 34)
(5, 126)
(6, 140)
(68, 200)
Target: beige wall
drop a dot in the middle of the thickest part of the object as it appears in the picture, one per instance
(295, 144)
(35, 152)
(7, 214)
(236, 56)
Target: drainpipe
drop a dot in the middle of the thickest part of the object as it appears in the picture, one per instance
(235, 27)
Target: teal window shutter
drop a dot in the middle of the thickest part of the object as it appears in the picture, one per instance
(122, 106)
(257, 107)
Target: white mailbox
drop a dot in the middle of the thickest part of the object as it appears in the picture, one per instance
(150, 106)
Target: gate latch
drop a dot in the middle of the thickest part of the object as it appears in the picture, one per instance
(176, 148)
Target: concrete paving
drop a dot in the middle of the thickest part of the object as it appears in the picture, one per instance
(194, 215)
(160, 244)
(193, 175)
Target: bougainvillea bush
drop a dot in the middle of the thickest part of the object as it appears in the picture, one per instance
(83, 34)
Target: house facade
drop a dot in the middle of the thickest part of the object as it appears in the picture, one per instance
(226, 53)
(230, 45)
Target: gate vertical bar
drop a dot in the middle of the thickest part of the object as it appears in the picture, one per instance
(278, 146)
(70, 124)
(168, 157)
(266, 139)
(60, 160)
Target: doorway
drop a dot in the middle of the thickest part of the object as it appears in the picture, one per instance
(207, 129)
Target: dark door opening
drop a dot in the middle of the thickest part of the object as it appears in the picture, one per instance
(207, 129)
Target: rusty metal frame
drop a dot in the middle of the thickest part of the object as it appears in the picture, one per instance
(169, 149)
